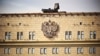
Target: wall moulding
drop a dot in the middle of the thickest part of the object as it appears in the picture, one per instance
(50, 14)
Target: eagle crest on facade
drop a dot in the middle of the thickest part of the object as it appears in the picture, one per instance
(50, 28)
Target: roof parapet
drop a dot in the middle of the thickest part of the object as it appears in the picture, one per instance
(58, 13)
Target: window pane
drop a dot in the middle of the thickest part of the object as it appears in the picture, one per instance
(92, 50)
(82, 32)
(68, 35)
(91, 32)
(18, 50)
(6, 50)
(92, 35)
(32, 50)
(19, 35)
(43, 51)
(78, 32)
(79, 50)
(82, 36)
(7, 35)
(55, 51)
(67, 50)
(79, 37)
(31, 35)
(29, 50)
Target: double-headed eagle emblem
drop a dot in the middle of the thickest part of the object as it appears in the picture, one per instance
(50, 28)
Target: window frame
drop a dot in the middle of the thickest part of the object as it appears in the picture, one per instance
(7, 35)
(92, 34)
(43, 50)
(31, 50)
(19, 35)
(31, 35)
(67, 50)
(18, 50)
(68, 35)
(54, 50)
(6, 50)
(80, 50)
(92, 50)
(80, 35)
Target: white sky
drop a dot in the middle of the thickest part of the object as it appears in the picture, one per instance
(30, 6)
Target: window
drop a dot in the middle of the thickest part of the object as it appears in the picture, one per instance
(18, 50)
(80, 23)
(31, 35)
(19, 35)
(92, 50)
(92, 23)
(54, 50)
(43, 51)
(92, 35)
(79, 50)
(68, 35)
(7, 35)
(67, 50)
(19, 23)
(30, 50)
(6, 50)
(8, 24)
(80, 35)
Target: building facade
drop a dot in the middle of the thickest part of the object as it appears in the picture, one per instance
(50, 34)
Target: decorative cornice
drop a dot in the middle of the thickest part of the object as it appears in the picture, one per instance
(50, 14)
(50, 44)
(64, 41)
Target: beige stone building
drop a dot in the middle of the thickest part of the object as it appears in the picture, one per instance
(50, 34)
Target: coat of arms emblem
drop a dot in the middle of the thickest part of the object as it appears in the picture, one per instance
(50, 28)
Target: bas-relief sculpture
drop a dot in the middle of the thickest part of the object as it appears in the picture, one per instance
(50, 28)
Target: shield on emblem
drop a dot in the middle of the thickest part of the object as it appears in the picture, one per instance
(50, 28)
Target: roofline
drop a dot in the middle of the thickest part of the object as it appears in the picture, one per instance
(52, 13)
(58, 13)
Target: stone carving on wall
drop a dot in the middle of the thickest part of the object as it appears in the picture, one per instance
(50, 28)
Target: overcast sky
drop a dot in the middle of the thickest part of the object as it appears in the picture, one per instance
(30, 6)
